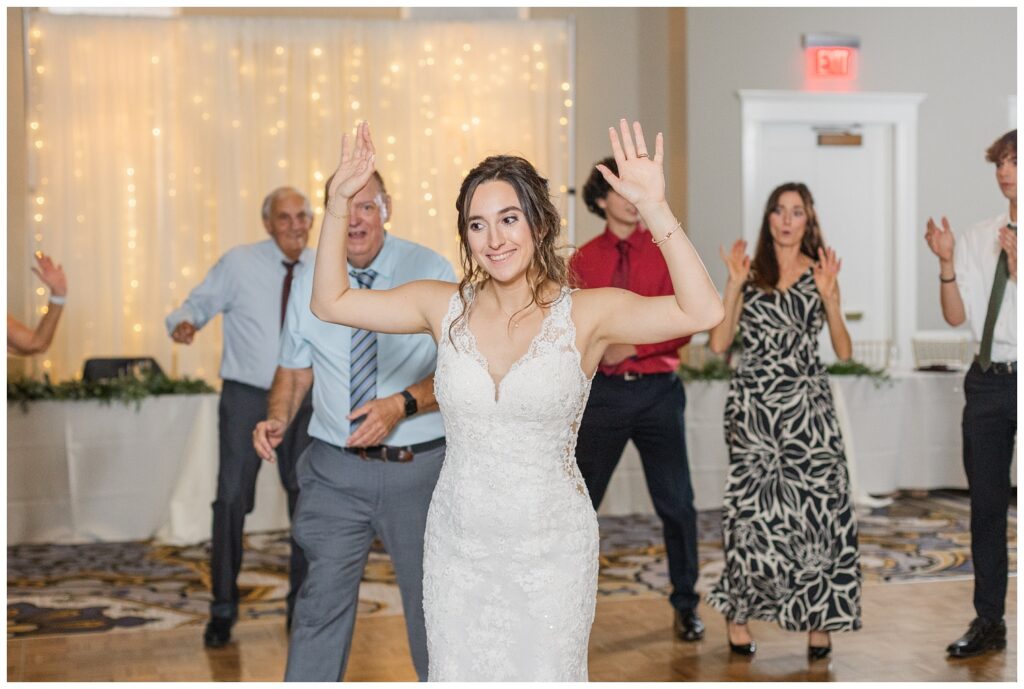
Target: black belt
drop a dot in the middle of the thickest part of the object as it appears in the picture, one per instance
(1000, 368)
(630, 376)
(393, 453)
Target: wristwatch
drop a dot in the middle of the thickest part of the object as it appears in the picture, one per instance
(411, 406)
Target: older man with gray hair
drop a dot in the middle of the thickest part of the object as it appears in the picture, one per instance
(250, 285)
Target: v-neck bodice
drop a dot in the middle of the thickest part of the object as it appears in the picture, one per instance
(474, 348)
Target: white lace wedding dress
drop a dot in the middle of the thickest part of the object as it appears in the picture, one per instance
(511, 546)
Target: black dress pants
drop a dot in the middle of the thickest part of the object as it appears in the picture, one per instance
(241, 408)
(989, 431)
(648, 411)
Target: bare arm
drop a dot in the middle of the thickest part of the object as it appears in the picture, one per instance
(286, 394)
(826, 279)
(414, 307)
(695, 305)
(22, 339)
(941, 242)
(721, 336)
(25, 341)
(840, 336)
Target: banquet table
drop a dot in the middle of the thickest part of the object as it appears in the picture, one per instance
(903, 433)
(84, 471)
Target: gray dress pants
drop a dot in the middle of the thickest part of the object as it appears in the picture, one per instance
(344, 501)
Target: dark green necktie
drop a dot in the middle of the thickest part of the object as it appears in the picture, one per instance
(995, 300)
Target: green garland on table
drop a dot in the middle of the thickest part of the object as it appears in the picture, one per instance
(856, 368)
(126, 389)
(716, 368)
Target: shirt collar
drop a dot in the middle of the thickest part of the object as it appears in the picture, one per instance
(280, 256)
(635, 240)
(384, 263)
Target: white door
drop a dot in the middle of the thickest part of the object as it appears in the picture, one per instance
(852, 188)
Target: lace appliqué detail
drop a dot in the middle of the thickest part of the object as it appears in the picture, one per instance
(511, 546)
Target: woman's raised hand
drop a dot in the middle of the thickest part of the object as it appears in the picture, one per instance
(355, 167)
(826, 270)
(736, 261)
(641, 179)
(51, 274)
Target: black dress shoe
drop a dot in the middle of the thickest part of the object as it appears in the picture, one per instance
(688, 625)
(218, 632)
(983, 635)
(748, 649)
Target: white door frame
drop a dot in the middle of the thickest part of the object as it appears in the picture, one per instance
(760, 107)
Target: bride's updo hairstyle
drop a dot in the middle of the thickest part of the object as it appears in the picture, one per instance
(541, 215)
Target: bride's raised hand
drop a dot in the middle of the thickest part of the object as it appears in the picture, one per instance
(355, 167)
(641, 178)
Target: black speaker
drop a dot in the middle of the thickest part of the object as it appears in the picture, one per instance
(100, 369)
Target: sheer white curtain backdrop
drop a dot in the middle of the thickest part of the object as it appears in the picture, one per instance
(153, 142)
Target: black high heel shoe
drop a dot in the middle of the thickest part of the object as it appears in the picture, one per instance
(747, 649)
(819, 652)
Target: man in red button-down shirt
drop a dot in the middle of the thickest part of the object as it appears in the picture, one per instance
(636, 394)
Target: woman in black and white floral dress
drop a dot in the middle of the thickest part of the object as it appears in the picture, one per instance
(789, 529)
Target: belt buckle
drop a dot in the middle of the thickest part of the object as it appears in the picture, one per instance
(631, 376)
(369, 455)
(405, 455)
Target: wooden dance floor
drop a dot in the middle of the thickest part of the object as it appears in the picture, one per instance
(906, 629)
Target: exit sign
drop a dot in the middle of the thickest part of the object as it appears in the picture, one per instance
(832, 62)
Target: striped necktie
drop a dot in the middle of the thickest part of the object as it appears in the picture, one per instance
(363, 368)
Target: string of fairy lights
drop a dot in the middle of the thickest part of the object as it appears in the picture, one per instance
(219, 127)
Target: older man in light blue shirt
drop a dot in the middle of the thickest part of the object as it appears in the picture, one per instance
(371, 468)
(250, 285)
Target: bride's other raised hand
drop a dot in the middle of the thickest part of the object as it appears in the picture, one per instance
(354, 168)
(641, 178)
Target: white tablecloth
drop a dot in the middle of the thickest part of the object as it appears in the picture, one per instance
(86, 471)
(904, 434)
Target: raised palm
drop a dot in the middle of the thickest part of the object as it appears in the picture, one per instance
(826, 273)
(641, 179)
(940, 239)
(356, 164)
(51, 274)
(736, 261)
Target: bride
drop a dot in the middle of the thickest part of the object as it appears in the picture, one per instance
(511, 543)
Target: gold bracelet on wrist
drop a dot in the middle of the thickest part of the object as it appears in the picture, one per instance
(659, 242)
(330, 211)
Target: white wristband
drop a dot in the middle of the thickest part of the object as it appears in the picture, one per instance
(58, 301)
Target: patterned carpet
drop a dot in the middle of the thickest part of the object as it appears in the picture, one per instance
(122, 587)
